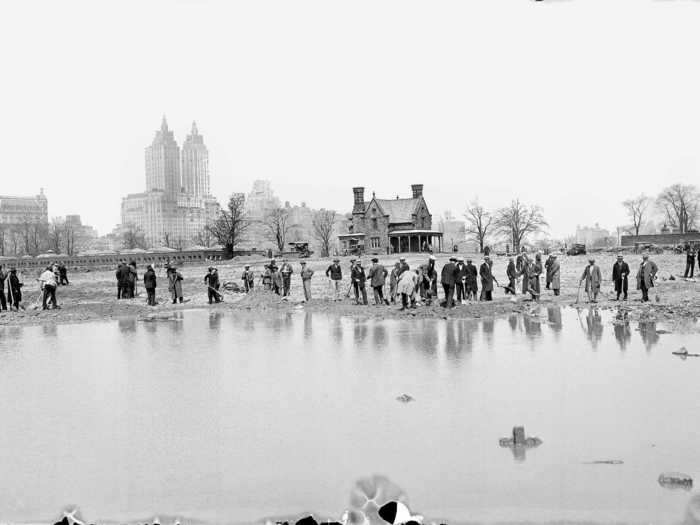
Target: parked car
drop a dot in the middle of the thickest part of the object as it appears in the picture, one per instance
(576, 249)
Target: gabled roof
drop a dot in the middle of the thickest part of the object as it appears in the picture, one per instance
(399, 210)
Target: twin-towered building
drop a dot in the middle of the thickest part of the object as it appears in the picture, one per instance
(177, 204)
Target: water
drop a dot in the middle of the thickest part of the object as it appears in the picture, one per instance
(233, 418)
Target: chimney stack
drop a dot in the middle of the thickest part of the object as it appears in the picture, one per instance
(359, 205)
(417, 190)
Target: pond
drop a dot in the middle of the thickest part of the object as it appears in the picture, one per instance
(232, 417)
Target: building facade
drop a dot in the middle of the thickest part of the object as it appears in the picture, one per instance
(390, 225)
(176, 206)
(15, 211)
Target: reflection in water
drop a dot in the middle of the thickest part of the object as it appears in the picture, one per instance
(359, 331)
(337, 330)
(308, 325)
(379, 335)
(623, 334)
(554, 318)
(49, 330)
(513, 322)
(127, 325)
(594, 324)
(487, 329)
(692, 511)
(649, 336)
(532, 326)
(215, 320)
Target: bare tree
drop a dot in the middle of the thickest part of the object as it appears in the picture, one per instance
(132, 237)
(517, 221)
(680, 203)
(276, 222)
(55, 235)
(203, 238)
(479, 221)
(69, 238)
(636, 209)
(3, 237)
(323, 222)
(230, 226)
(167, 239)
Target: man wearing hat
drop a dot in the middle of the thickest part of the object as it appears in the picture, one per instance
(175, 284)
(352, 284)
(394, 281)
(448, 279)
(403, 265)
(486, 279)
(149, 283)
(286, 270)
(593, 278)
(14, 289)
(621, 271)
(248, 279)
(460, 282)
(306, 274)
(555, 274)
(377, 278)
(512, 274)
(645, 276)
(211, 279)
(428, 289)
(359, 278)
(471, 287)
(335, 275)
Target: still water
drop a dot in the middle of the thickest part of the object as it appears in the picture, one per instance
(232, 418)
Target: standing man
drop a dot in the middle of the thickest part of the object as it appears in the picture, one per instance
(267, 278)
(548, 270)
(286, 270)
(471, 286)
(535, 276)
(429, 281)
(3, 301)
(14, 289)
(460, 281)
(486, 280)
(689, 261)
(377, 277)
(645, 276)
(63, 272)
(555, 274)
(48, 285)
(306, 274)
(512, 274)
(448, 279)
(118, 275)
(175, 284)
(619, 276)
(394, 281)
(403, 265)
(358, 280)
(335, 276)
(593, 278)
(212, 281)
(248, 279)
(132, 276)
(149, 283)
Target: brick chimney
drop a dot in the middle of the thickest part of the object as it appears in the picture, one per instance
(417, 190)
(359, 205)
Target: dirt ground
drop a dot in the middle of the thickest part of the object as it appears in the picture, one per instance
(92, 295)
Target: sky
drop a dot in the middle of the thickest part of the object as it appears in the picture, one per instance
(573, 105)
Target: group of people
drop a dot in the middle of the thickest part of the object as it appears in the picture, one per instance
(14, 289)
(646, 275)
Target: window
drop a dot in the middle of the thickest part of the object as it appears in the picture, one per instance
(374, 223)
(374, 242)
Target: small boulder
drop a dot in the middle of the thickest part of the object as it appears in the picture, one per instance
(675, 480)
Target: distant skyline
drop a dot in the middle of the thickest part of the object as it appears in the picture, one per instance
(573, 105)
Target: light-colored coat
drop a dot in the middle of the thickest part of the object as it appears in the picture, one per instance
(593, 278)
(647, 272)
(407, 283)
(555, 275)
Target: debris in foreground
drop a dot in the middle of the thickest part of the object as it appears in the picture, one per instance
(519, 440)
(605, 462)
(675, 480)
(405, 398)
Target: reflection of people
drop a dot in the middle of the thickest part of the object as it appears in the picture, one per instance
(623, 335)
(648, 332)
(595, 326)
(554, 317)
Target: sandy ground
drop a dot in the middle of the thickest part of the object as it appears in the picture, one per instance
(92, 295)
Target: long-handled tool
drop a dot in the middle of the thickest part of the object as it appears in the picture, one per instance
(578, 293)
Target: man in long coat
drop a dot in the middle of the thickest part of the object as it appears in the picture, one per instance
(286, 270)
(512, 274)
(175, 284)
(428, 286)
(548, 270)
(460, 280)
(394, 281)
(555, 274)
(593, 277)
(471, 287)
(358, 280)
(645, 276)
(448, 278)
(486, 280)
(14, 289)
(619, 276)
(149, 283)
(377, 277)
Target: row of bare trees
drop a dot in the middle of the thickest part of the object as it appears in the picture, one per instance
(679, 204)
(233, 222)
(514, 223)
(32, 238)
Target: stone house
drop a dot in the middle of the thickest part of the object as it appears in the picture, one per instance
(390, 225)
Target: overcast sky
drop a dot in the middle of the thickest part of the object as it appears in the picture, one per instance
(570, 104)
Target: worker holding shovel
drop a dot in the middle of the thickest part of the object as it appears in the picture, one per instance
(14, 289)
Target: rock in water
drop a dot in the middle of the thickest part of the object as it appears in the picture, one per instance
(676, 480)
(405, 398)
